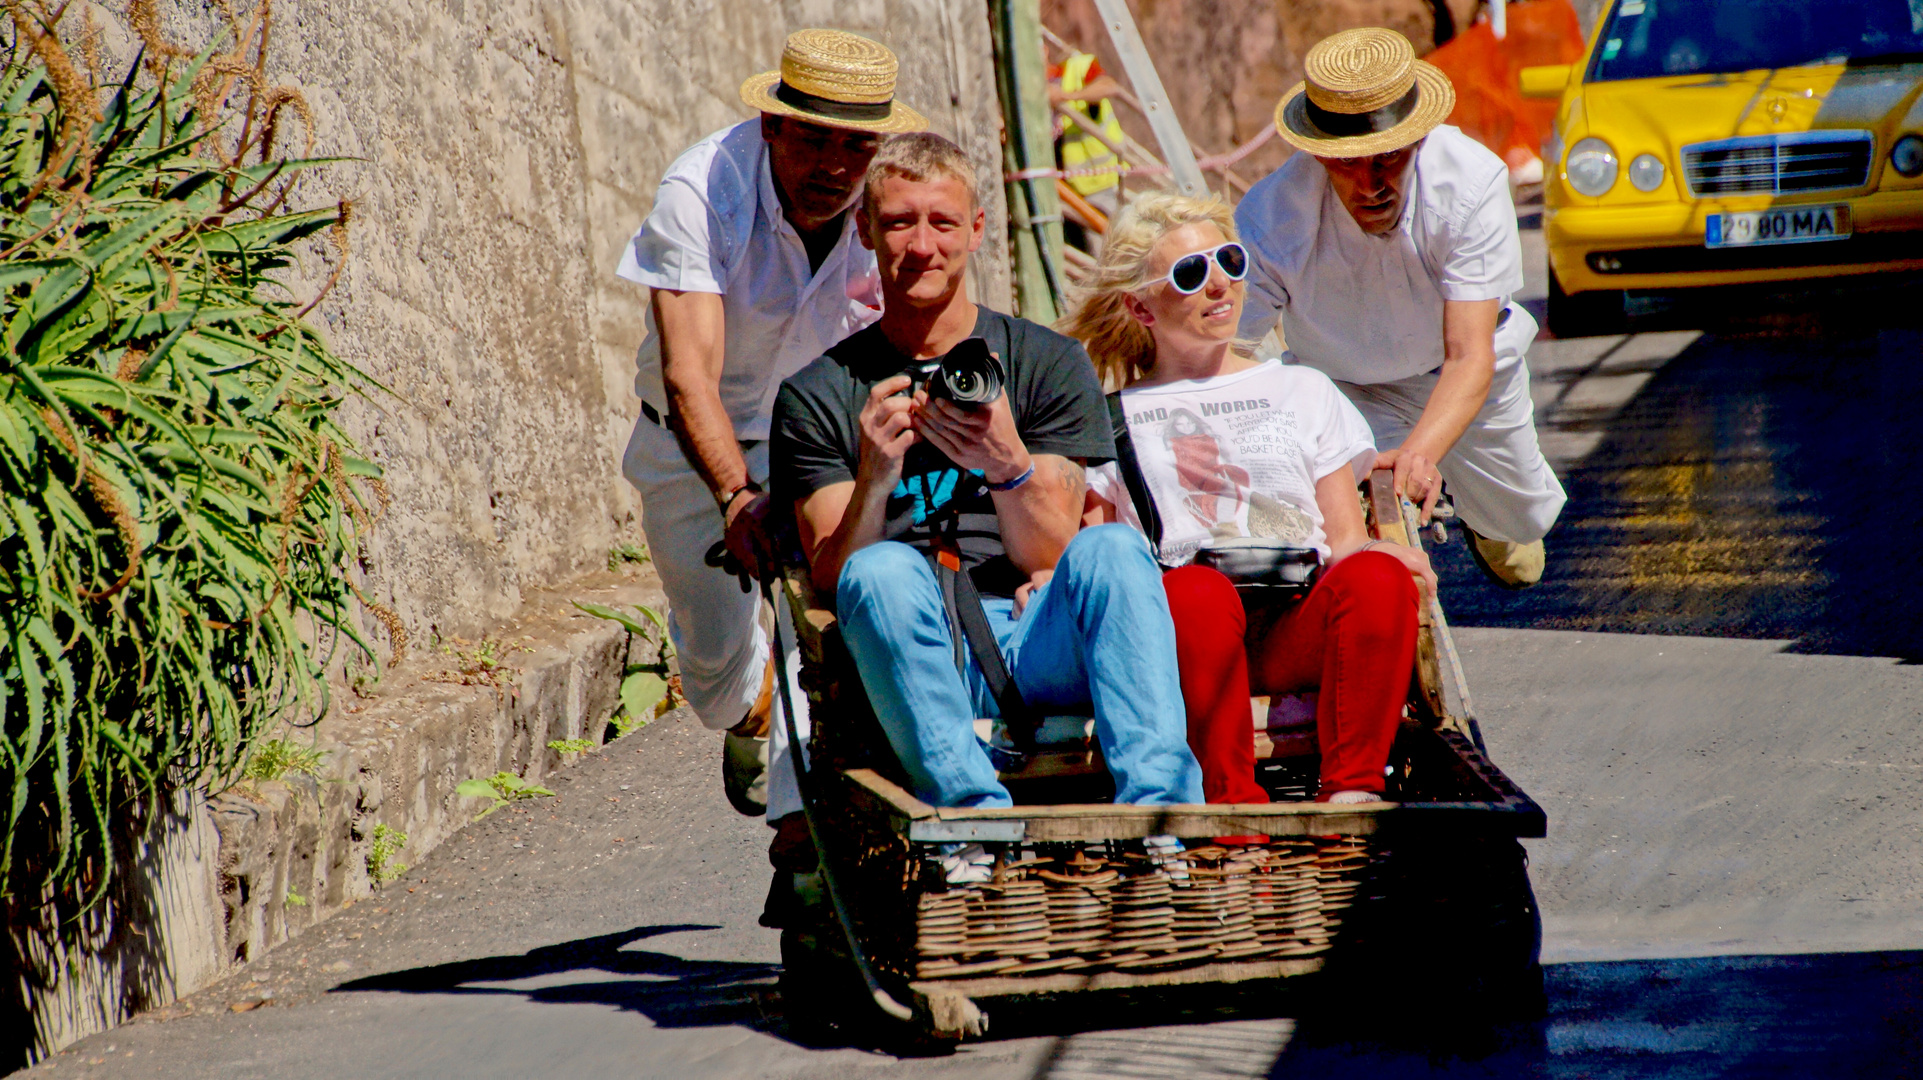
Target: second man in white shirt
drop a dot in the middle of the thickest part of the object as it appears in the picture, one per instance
(1389, 252)
(755, 268)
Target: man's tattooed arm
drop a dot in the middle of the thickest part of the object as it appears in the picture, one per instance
(1074, 478)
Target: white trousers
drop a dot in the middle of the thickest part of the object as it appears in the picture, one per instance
(1501, 485)
(715, 627)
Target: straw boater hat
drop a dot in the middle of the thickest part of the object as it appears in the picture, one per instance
(834, 78)
(1364, 93)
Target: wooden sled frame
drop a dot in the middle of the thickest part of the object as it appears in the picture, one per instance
(1467, 799)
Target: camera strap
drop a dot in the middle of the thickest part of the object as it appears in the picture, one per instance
(965, 612)
(1132, 478)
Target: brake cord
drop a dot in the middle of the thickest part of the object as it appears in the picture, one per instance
(883, 999)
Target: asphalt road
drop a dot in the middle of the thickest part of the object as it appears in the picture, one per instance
(1713, 694)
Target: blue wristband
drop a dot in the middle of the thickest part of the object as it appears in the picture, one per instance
(1015, 483)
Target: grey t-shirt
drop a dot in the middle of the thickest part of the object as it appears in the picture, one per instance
(1052, 391)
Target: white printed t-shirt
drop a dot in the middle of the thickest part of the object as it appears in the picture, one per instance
(1368, 309)
(1238, 455)
(717, 227)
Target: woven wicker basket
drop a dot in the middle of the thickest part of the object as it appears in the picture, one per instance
(1102, 912)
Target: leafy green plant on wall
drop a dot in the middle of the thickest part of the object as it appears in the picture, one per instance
(648, 691)
(273, 759)
(500, 789)
(387, 843)
(621, 554)
(177, 501)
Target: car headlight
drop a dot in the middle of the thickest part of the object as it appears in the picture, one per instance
(1591, 167)
(1906, 156)
(1646, 172)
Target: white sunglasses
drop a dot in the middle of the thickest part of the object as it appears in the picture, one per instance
(1191, 271)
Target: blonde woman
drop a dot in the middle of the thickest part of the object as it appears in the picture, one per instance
(1232, 447)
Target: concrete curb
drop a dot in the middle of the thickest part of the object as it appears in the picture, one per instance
(212, 887)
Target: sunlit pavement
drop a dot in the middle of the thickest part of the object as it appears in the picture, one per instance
(1712, 694)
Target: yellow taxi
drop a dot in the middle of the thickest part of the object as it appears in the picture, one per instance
(1711, 142)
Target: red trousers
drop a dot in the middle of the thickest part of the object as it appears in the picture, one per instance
(1353, 638)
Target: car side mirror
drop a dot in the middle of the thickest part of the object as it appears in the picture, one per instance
(1545, 81)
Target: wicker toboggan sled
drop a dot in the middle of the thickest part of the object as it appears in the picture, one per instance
(1429, 883)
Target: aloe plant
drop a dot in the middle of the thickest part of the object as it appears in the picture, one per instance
(177, 500)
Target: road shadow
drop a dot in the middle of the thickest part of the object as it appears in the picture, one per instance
(1803, 1016)
(1758, 486)
(671, 991)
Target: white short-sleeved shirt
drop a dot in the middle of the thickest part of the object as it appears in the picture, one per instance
(1238, 455)
(717, 227)
(1368, 309)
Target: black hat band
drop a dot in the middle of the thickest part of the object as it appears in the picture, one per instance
(1344, 125)
(829, 107)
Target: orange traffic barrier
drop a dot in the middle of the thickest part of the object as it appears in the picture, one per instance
(1489, 106)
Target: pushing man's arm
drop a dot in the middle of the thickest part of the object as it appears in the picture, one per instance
(1468, 366)
(693, 329)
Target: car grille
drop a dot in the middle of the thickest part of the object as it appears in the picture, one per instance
(1779, 164)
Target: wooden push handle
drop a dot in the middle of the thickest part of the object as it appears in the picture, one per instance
(1385, 508)
(1386, 523)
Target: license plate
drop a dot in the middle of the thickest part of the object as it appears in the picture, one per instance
(1789, 225)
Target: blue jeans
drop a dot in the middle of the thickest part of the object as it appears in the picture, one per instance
(1098, 635)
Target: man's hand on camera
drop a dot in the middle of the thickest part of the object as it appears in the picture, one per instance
(887, 431)
(747, 533)
(982, 438)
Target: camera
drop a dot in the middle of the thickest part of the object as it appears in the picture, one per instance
(968, 375)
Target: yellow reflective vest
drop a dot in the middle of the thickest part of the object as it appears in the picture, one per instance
(1081, 150)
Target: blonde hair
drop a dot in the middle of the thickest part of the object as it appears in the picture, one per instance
(920, 157)
(1122, 348)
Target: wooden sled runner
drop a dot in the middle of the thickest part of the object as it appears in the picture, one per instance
(1429, 883)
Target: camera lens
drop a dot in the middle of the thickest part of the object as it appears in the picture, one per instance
(970, 383)
(969, 375)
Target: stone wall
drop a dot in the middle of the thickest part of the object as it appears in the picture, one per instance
(511, 149)
(499, 153)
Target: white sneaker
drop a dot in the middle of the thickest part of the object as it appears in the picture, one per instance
(967, 864)
(1166, 852)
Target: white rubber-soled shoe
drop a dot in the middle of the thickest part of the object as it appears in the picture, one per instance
(1508, 564)
(744, 754)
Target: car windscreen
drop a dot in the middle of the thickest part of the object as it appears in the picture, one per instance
(1647, 38)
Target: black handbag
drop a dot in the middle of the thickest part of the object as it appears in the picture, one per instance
(1258, 562)
(1280, 569)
